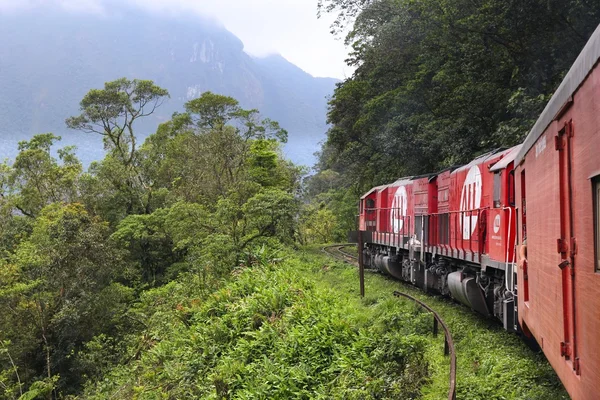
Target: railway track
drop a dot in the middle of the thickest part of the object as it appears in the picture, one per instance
(336, 251)
(448, 341)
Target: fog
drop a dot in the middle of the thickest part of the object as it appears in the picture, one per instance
(287, 27)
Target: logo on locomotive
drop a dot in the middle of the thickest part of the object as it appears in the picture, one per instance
(497, 224)
(470, 199)
(398, 211)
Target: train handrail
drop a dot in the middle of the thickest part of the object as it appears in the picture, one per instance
(462, 214)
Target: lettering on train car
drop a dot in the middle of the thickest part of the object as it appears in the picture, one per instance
(540, 146)
(398, 211)
(470, 199)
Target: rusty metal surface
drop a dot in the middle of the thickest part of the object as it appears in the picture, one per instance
(448, 342)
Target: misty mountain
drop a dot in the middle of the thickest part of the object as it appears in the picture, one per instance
(49, 59)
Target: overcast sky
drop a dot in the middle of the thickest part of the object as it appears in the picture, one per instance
(288, 27)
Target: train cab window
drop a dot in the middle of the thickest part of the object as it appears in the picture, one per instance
(511, 188)
(497, 189)
(596, 190)
(370, 204)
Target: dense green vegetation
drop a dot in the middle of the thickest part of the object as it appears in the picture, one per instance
(295, 328)
(440, 82)
(492, 364)
(170, 269)
(80, 250)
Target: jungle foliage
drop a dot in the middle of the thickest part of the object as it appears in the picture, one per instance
(439, 82)
(156, 272)
(80, 251)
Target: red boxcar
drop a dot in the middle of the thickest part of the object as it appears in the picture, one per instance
(558, 200)
(455, 232)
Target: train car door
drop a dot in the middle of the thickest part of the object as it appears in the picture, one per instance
(566, 244)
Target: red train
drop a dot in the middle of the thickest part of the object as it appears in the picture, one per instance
(458, 232)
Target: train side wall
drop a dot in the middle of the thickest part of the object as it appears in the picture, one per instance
(545, 298)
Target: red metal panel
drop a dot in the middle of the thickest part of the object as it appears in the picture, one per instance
(432, 195)
(383, 210)
(421, 196)
(425, 197)
(401, 211)
(369, 214)
(501, 218)
(432, 209)
(471, 194)
(501, 234)
(443, 184)
(554, 313)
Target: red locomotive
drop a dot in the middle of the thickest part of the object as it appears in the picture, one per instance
(459, 232)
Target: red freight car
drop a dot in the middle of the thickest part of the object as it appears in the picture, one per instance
(558, 198)
(454, 232)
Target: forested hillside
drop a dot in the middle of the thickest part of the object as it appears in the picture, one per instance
(439, 82)
(49, 58)
(78, 250)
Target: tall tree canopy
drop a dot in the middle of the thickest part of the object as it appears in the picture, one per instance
(438, 82)
(78, 250)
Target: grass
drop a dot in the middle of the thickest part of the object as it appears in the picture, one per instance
(298, 330)
(491, 363)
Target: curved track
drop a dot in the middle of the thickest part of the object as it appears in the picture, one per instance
(337, 252)
(448, 341)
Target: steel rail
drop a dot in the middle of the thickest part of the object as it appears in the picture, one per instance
(336, 251)
(448, 342)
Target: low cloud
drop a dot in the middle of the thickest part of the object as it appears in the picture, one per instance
(287, 27)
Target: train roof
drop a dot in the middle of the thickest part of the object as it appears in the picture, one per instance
(582, 67)
(428, 176)
(398, 182)
(507, 159)
(402, 181)
(478, 160)
(372, 190)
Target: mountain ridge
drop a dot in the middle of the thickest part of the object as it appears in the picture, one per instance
(44, 73)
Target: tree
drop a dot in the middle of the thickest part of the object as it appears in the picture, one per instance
(213, 112)
(112, 111)
(216, 148)
(60, 289)
(36, 179)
